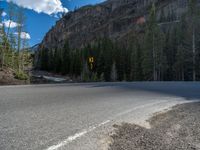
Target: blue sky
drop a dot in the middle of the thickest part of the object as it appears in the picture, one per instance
(40, 19)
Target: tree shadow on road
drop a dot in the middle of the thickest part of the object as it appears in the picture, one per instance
(187, 90)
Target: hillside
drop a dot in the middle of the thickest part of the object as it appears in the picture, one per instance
(8, 77)
(113, 19)
(129, 40)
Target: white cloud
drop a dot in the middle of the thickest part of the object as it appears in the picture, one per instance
(46, 6)
(3, 14)
(10, 23)
(24, 35)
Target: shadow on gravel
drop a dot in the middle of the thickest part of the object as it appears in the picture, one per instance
(176, 129)
(187, 90)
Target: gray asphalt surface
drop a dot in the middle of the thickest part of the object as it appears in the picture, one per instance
(40, 116)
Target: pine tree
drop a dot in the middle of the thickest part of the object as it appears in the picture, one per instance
(149, 60)
(180, 63)
(162, 16)
(120, 63)
(178, 44)
(44, 59)
(85, 76)
(65, 60)
(161, 59)
(75, 61)
(58, 60)
(135, 59)
(13, 49)
(100, 63)
(170, 49)
(113, 73)
(127, 66)
(193, 22)
(107, 48)
(154, 60)
(51, 63)
(1, 39)
(5, 47)
(20, 21)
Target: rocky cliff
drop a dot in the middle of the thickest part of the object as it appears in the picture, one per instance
(113, 19)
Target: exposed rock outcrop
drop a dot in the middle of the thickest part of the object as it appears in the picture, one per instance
(113, 19)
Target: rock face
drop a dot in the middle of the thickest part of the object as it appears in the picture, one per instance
(113, 19)
(34, 48)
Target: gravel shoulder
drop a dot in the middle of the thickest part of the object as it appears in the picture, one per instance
(177, 129)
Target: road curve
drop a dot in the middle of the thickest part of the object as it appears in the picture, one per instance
(49, 117)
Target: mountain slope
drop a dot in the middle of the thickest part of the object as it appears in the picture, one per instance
(113, 19)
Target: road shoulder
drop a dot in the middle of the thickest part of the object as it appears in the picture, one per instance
(179, 128)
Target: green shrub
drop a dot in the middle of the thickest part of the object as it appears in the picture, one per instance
(21, 75)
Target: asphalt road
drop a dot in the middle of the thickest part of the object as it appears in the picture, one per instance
(68, 116)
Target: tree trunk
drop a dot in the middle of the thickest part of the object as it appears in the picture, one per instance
(194, 54)
(154, 61)
(182, 74)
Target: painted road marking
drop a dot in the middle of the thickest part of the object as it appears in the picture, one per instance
(92, 128)
(76, 136)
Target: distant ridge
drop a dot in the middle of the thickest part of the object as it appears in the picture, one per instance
(114, 19)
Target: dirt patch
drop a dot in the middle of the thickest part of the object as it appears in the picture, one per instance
(7, 78)
(177, 129)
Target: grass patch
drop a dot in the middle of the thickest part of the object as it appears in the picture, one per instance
(20, 75)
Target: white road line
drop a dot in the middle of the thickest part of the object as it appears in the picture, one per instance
(92, 128)
(76, 136)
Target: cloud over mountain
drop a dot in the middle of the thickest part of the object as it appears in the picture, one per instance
(3, 14)
(46, 6)
(24, 35)
(10, 24)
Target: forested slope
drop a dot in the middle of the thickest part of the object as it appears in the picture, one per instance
(15, 57)
(129, 39)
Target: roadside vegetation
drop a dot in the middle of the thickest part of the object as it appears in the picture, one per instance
(14, 52)
(165, 48)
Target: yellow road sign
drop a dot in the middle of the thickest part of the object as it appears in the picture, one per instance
(91, 59)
